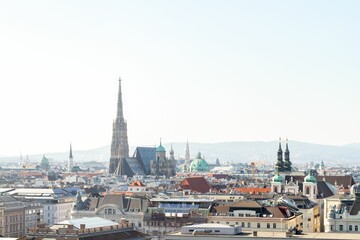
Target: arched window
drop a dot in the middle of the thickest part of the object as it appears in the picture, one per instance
(307, 190)
(356, 228)
(350, 228)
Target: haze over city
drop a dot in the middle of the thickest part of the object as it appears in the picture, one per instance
(206, 71)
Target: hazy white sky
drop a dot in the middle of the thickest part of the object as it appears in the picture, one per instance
(207, 71)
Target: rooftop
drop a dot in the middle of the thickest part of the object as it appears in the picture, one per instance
(270, 235)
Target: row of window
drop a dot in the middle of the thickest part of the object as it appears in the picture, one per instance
(258, 225)
(11, 219)
(341, 228)
(14, 227)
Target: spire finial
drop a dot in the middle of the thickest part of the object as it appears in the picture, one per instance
(160, 141)
(70, 155)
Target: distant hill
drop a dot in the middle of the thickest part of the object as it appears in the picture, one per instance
(353, 145)
(234, 152)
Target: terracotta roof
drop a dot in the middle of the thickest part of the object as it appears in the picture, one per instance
(136, 183)
(196, 184)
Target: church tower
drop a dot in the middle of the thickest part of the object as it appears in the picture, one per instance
(172, 154)
(279, 166)
(287, 162)
(71, 160)
(119, 143)
(187, 156)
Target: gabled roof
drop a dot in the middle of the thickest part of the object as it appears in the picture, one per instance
(196, 184)
(118, 200)
(324, 190)
(279, 212)
(245, 204)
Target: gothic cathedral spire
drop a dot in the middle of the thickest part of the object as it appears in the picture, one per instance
(119, 143)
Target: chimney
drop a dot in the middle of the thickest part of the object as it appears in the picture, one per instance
(82, 226)
(123, 221)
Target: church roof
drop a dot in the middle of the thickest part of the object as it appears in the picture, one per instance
(199, 164)
(277, 178)
(145, 155)
(160, 148)
(310, 178)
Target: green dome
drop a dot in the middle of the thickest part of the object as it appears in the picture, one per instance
(309, 178)
(199, 164)
(277, 178)
(160, 148)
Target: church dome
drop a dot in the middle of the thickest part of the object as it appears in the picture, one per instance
(160, 148)
(199, 164)
(309, 178)
(277, 178)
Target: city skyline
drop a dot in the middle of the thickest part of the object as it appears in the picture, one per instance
(202, 71)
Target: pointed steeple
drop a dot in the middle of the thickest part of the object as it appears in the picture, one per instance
(187, 156)
(287, 162)
(171, 149)
(287, 146)
(279, 166)
(120, 113)
(70, 155)
(119, 143)
(172, 156)
(71, 160)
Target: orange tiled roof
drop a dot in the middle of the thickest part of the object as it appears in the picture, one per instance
(136, 183)
(196, 184)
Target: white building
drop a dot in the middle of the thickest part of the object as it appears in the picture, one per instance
(57, 203)
(342, 212)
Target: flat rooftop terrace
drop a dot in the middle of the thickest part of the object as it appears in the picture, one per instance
(265, 235)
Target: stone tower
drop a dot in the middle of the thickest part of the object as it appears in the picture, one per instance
(71, 160)
(119, 143)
